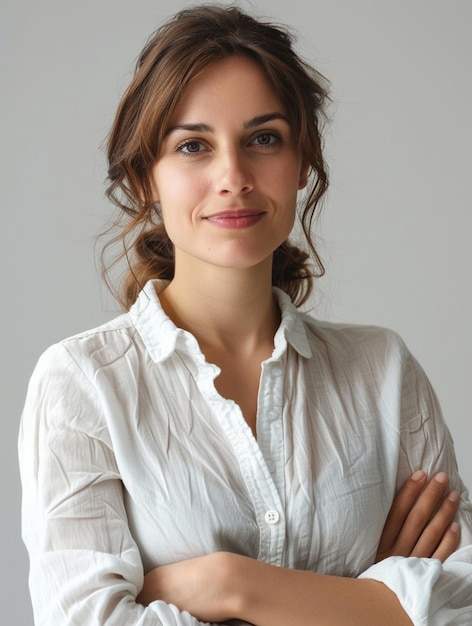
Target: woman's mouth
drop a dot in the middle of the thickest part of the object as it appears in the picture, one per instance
(235, 218)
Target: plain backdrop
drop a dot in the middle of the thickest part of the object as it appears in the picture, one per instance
(396, 227)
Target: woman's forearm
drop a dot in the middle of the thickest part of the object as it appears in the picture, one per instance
(224, 586)
(275, 596)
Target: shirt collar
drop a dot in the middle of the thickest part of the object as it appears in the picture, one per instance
(162, 337)
(292, 328)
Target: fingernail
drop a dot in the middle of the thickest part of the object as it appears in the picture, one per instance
(418, 475)
(454, 527)
(453, 496)
(441, 478)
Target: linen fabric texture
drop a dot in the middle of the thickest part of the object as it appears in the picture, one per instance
(130, 459)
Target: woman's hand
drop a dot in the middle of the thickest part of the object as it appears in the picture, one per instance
(420, 521)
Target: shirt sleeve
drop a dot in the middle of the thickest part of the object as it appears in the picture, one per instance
(432, 593)
(85, 567)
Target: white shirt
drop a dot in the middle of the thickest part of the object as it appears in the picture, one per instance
(130, 459)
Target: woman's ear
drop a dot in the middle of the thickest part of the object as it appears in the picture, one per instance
(304, 172)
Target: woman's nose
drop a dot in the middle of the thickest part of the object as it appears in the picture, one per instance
(234, 175)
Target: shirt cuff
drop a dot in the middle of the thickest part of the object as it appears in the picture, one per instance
(412, 580)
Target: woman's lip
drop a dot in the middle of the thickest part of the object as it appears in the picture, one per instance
(241, 218)
(234, 213)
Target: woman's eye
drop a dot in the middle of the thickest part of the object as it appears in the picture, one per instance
(266, 140)
(191, 147)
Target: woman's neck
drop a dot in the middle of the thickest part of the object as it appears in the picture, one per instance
(232, 310)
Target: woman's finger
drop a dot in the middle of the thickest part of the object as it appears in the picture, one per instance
(449, 542)
(439, 525)
(421, 514)
(401, 507)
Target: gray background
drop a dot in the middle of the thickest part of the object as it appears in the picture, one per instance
(397, 223)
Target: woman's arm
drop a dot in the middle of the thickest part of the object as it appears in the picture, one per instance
(85, 567)
(223, 586)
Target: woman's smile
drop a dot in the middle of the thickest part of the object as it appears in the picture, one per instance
(235, 218)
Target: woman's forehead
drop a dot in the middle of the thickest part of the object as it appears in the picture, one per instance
(233, 86)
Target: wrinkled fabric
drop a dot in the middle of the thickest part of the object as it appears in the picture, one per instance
(130, 459)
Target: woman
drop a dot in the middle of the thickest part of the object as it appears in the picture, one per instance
(214, 454)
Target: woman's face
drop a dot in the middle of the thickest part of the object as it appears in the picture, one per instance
(228, 171)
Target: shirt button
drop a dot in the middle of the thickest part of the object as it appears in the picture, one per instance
(271, 517)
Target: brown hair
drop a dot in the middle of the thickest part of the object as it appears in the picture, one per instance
(176, 53)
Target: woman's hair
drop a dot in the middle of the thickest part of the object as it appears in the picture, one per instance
(178, 52)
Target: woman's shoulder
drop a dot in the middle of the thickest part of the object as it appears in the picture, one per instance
(90, 349)
(355, 339)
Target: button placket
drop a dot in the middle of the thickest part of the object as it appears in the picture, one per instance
(270, 426)
(270, 440)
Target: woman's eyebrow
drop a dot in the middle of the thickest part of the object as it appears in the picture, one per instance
(193, 128)
(263, 119)
(252, 123)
